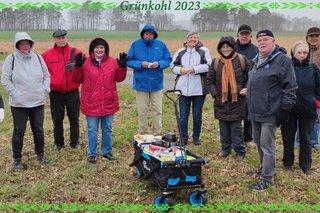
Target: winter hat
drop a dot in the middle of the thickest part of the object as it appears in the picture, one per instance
(226, 40)
(264, 33)
(244, 28)
(313, 31)
(99, 41)
(299, 45)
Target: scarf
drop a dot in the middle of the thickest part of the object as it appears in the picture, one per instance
(228, 79)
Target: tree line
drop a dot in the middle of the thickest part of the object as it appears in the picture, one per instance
(106, 19)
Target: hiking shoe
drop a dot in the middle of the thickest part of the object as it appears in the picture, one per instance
(58, 147)
(196, 141)
(287, 168)
(92, 159)
(239, 157)
(223, 153)
(42, 159)
(75, 146)
(182, 142)
(108, 157)
(17, 164)
(260, 186)
(307, 172)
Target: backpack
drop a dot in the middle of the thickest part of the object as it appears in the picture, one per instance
(241, 59)
(12, 66)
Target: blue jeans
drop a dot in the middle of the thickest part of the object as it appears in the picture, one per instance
(106, 141)
(185, 104)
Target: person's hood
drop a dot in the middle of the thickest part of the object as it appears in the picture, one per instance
(22, 36)
(99, 41)
(149, 28)
(226, 40)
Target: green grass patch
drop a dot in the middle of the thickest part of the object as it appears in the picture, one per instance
(70, 179)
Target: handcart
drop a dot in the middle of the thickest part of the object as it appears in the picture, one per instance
(183, 171)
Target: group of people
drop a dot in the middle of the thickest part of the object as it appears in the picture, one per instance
(259, 86)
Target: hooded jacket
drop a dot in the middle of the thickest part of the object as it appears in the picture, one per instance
(308, 80)
(29, 80)
(199, 59)
(148, 79)
(56, 59)
(272, 86)
(228, 111)
(99, 96)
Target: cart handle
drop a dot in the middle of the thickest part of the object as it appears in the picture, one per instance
(176, 91)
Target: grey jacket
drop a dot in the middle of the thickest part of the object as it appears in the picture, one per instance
(271, 87)
(25, 77)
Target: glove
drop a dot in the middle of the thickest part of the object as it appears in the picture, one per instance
(282, 117)
(69, 66)
(122, 61)
(79, 60)
(1, 114)
(317, 104)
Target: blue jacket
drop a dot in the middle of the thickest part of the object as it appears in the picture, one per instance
(145, 79)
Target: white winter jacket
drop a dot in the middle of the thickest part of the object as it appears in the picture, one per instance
(200, 59)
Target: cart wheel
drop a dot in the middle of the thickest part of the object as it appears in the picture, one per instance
(197, 199)
(163, 203)
(138, 172)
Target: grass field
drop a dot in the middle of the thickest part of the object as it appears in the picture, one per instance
(121, 41)
(69, 178)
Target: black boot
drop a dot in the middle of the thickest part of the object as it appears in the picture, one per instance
(17, 164)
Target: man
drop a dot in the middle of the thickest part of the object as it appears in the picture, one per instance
(246, 48)
(313, 39)
(148, 57)
(271, 94)
(64, 92)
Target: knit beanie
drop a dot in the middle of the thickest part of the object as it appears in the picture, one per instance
(299, 45)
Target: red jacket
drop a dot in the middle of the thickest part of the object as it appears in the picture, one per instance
(99, 95)
(56, 58)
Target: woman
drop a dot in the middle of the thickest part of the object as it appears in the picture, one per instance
(303, 113)
(26, 79)
(191, 64)
(226, 83)
(99, 98)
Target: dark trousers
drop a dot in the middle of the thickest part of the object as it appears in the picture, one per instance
(20, 117)
(185, 105)
(288, 131)
(247, 130)
(231, 136)
(58, 103)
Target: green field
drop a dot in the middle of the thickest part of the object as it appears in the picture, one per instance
(45, 35)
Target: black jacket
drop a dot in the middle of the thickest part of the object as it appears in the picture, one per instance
(249, 50)
(308, 80)
(272, 86)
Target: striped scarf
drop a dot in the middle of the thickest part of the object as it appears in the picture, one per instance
(228, 79)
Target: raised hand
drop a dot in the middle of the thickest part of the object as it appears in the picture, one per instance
(79, 60)
(122, 60)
